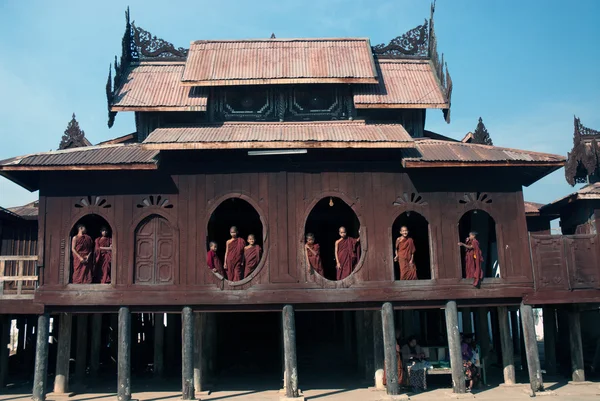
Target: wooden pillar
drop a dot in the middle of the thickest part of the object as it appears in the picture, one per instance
(483, 332)
(549, 314)
(187, 354)
(456, 364)
(41, 358)
(4, 340)
(63, 354)
(378, 356)
(369, 364)
(515, 327)
(81, 353)
(211, 342)
(199, 354)
(389, 349)
(171, 340)
(289, 348)
(96, 344)
(347, 319)
(467, 324)
(531, 349)
(159, 341)
(563, 353)
(577, 370)
(508, 361)
(359, 316)
(124, 358)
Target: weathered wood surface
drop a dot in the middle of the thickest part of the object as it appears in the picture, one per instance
(549, 314)
(40, 379)
(577, 366)
(454, 348)
(124, 355)
(289, 347)
(531, 348)
(187, 354)
(389, 349)
(63, 355)
(508, 358)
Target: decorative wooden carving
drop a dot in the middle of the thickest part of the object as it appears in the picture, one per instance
(155, 201)
(413, 198)
(549, 263)
(584, 159)
(415, 42)
(91, 201)
(154, 252)
(257, 103)
(74, 137)
(582, 261)
(62, 262)
(480, 197)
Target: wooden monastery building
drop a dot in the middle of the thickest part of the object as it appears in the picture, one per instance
(280, 138)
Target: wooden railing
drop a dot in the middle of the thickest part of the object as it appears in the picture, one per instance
(18, 276)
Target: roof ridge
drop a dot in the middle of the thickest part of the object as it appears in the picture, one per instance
(321, 39)
(489, 147)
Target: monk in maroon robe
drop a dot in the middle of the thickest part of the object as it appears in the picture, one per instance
(103, 259)
(234, 255)
(473, 258)
(405, 254)
(345, 254)
(313, 255)
(82, 248)
(252, 254)
(213, 261)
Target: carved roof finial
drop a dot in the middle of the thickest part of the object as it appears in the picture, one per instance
(481, 134)
(273, 36)
(583, 161)
(73, 137)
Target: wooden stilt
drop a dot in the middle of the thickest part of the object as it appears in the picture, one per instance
(199, 356)
(467, 324)
(347, 319)
(289, 347)
(550, 340)
(187, 354)
(378, 356)
(96, 344)
(577, 370)
(81, 354)
(159, 341)
(124, 363)
(41, 358)
(63, 355)
(515, 328)
(4, 340)
(368, 345)
(360, 337)
(389, 349)
(170, 341)
(456, 364)
(508, 361)
(531, 349)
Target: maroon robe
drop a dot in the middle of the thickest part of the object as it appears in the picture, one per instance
(346, 255)
(405, 249)
(82, 270)
(315, 260)
(473, 260)
(214, 262)
(251, 259)
(103, 260)
(235, 259)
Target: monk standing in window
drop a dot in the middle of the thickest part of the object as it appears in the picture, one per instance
(234, 255)
(213, 261)
(103, 258)
(82, 247)
(473, 258)
(345, 254)
(313, 255)
(252, 254)
(405, 255)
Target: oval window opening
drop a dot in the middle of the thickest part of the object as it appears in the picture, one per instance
(323, 224)
(480, 226)
(234, 253)
(91, 251)
(415, 246)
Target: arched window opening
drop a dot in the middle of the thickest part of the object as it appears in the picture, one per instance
(483, 226)
(91, 251)
(418, 231)
(154, 251)
(324, 222)
(245, 251)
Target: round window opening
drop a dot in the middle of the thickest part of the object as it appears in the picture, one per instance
(235, 240)
(332, 226)
(91, 251)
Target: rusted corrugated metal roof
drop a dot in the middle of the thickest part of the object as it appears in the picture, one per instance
(402, 84)
(588, 192)
(326, 134)
(85, 156)
(272, 61)
(532, 208)
(432, 150)
(158, 84)
(28, 211)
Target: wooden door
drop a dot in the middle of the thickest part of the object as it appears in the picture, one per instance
(154, 252)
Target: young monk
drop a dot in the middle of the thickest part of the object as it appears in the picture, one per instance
(345, 254)
(405, 255)
(313, 255)
(213, 261)
(234, 255)
(103, 251)
(82, 247)
(473, 258)
(252, 254)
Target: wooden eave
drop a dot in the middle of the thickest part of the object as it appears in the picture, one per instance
(438, 164)
(157, 108)
(280, 81)
(401, 105)
(98, 167)
(256, 145)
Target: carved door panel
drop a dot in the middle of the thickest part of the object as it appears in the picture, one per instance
(154, 251)
(582, 261)
(548, 256)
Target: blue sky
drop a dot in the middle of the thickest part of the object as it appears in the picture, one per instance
(526, 67)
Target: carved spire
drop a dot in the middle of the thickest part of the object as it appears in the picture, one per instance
(481, 134)
(583, 161)
(273, 36)
(73, 137)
